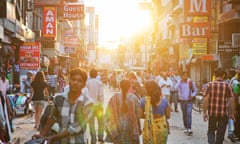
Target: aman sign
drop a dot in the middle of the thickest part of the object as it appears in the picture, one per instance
(197, 7)
(49, 21)
(190, 30)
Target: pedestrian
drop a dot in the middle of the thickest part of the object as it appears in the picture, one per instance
(95, 89)
(60, 81)
(215, 107)
(165, 83)
(174, 91)
(27, 83)
(5, 110)
(72, 111)
(157, 110)
(122, 124)
(135, 86)
(52, 77)
(38, 95)
(187, 91)
(236, 90)
(233, 81)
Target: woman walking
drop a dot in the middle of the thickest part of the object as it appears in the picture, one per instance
(122, 119)
(37, 95)
(155, 109)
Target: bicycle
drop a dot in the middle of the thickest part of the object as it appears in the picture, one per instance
(198, 103)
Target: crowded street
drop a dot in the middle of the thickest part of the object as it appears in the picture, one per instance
(24, 127)
(119, 71)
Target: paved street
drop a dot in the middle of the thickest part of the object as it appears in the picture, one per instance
(24, 127)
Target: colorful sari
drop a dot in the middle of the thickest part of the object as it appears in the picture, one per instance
(155, 131)
(122, 128)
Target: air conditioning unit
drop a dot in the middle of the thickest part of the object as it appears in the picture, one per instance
(235, 40)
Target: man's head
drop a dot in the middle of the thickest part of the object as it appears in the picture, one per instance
(77, 79)
(219, 72)
(93, 73)
(29, 74)
(185, 75)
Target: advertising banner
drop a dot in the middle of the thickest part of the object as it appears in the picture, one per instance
(29, 55)
(49, 21)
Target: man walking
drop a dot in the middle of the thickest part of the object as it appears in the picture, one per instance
(187, 91)
(215, 107)
(95, 89)
(72, 111)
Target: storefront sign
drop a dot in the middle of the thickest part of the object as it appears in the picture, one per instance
(197, 7)
(49, 21)
(189, 30)
(29, 55)
(73, 11)
(226, 47)
(199, 46)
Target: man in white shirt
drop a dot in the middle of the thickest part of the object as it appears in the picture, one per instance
(95, 89)
(165, 83)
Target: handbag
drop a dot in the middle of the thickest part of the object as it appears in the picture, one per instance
(36, 141)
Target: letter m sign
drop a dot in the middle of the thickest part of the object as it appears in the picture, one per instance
(197, 7)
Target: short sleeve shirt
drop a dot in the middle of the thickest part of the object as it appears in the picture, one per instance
(157, 110)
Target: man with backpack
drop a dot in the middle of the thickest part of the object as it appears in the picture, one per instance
(187, 91)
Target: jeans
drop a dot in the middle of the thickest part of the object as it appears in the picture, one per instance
(230, 122)
(98, 113)
(218, 124)
(186, 107)
(174, 98)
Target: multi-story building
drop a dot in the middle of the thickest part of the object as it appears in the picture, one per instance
(15, 29)
(196, 36)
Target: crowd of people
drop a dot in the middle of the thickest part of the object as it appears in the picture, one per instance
(81, 102)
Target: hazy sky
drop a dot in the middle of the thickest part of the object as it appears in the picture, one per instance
(117, 18)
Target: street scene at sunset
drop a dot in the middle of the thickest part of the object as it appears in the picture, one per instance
(119, 71)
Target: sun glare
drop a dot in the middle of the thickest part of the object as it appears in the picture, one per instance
(120, 18)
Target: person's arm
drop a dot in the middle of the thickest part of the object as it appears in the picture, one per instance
(31, 93)
(168, 112)
(232, 107)
(205, 107)
(195, 90)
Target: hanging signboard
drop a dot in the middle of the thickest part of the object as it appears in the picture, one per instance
(49, 21)
(190, 30)
(73, 11)
(197, 7)
(29, 55)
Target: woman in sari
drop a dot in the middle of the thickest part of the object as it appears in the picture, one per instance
(122, 120)
(155, 110)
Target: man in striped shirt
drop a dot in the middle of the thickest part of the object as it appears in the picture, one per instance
(73, 109)
(215, 107)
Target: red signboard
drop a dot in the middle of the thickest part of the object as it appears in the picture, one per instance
(197, 7)
(191, 30)
(29, 55)
(49, 21)
(73, 11)
(47, 2)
